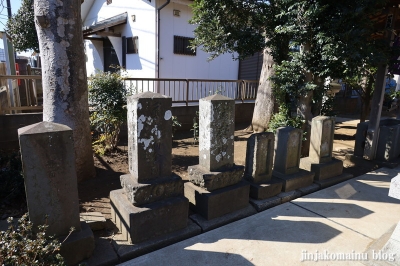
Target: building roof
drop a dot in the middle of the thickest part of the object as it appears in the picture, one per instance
(105, 27)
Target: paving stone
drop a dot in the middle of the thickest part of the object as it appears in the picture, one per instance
(95, 220)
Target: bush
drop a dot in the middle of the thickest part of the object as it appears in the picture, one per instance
(107, 99)
(11, 178)
(20, 246)
(282, 119)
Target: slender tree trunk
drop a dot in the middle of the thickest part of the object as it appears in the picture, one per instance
(366, 98)
(264, 105)
(65, 94)
(304, 110)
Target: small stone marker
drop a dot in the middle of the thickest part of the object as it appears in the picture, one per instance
(151, 202)
(216, 180)
(287, 159)
(394, 190)
(258, 171)
(320, 160)
(47, 151)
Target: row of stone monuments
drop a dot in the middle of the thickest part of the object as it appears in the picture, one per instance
(153, 201)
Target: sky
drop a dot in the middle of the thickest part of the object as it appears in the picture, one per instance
(15, 4)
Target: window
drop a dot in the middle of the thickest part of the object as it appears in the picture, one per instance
(181, 46)
(132, 45)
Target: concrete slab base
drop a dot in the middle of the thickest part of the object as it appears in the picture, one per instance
(219, 202)
(310, 189)
(322, 170)
(78, 246)
(262, 205)
(95, 220)
(127, 251)
(265, 190)
(288, 196)
(103, 254)
(333, 180)
(138, 224)
(207, 225)
(294, 181)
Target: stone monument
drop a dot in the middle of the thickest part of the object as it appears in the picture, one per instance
(216, 187)
(48, 157)
(287, 159)
(151, 201)
(258, 171)
(320, 159)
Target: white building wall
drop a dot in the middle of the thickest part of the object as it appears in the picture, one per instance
(185, 66)
(141, 65)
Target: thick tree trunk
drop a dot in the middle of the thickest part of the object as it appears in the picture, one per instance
(264, 105)
(65, 94)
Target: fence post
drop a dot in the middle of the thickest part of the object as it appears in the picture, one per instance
(243, 90)
(187, 92)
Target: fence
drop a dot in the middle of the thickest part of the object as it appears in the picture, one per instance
(26, 90)
(187, 91)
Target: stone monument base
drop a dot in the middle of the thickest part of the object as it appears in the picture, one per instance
(78, 246)
(294, 181)
(219, 202)
(153, 190)
(333, 180)
(210, 181)
(138, 224)
(265, 190)
(322, 170)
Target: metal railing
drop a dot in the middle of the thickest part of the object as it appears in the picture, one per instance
(187, 91)
(26, 90)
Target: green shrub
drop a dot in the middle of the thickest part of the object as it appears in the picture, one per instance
(282, 119)
(11, 178)
(107, 99)
(19, 245)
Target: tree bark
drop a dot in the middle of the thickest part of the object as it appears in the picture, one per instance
(304, 110)
(65, 93)
(264, 105)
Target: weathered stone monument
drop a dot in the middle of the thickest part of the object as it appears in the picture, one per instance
(320, 159)
(216, 187)
(388, 146)
(287, 159)
(258, 171)
(151, 202)
(48, 157)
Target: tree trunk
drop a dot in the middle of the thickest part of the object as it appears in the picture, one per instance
(304, 110)
(264, 105)
(65, 93)
(366, 98)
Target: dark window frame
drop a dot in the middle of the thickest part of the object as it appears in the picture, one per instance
(132, 45)
(181, 46)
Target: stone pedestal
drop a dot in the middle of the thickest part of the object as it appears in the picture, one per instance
(214, 204)
(138, 224)
(259, 159)
(47, 151)
(216, 186)
(328, 170)
(287, 159)
(150, 203)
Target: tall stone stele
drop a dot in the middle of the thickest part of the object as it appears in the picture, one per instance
(151, 201)
(320, 160)
(51, 187)
(258, 171)
(65, 92)
(216, 187)
(287, 159)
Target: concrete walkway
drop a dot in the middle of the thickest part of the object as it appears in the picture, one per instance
(351, 221)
